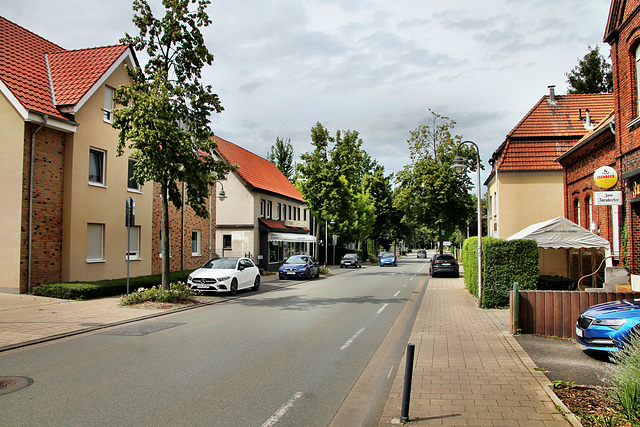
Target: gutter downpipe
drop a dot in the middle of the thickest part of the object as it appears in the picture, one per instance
(45, 117)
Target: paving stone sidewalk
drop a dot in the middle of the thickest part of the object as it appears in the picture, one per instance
(469, 371)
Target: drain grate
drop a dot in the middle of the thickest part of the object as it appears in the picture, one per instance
(140, 329)
(13, 384)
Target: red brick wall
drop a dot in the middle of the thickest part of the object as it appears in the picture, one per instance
(48, 180)
(181, 228)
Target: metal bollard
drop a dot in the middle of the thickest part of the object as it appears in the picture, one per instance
(516, 308)
(408, 374)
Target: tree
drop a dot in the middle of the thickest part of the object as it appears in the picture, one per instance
(430, 192)
(163, 115)
(281, 155)
(592, 74)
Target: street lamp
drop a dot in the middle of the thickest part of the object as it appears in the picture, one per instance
(458, 166)
(221, 196)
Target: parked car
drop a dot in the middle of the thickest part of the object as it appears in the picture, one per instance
(351, 260)
(299, 266)
(444, 264)
(606, 327)
(225, 275)
(422, 253)
(387, 258)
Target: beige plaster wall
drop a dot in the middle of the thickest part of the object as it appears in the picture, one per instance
(85, 203)
(528, 198)
(12, 143)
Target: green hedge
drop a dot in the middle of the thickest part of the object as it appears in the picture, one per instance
(503, 263)
(104, 288)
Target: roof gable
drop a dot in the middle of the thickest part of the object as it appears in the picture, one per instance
(43, 76)
(257, 172)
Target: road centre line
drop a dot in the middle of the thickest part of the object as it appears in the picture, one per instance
(352, 339)
(382, 308)
(396, 294)
(390, 371)
(282, 411)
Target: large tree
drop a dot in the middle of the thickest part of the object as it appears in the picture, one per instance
(430, 193)
(592, 74)
(164, 114)
(281, 155)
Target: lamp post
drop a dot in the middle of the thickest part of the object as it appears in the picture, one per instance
(326, 241)
(459, 166)
(221, 195)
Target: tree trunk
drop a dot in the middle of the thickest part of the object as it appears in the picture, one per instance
(166, 237)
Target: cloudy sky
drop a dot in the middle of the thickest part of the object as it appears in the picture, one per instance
(373, 66)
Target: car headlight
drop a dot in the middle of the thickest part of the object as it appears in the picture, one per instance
(611, 323)
(189, 279)
(222, 279)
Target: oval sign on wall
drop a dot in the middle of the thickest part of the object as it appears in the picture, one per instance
(605, 177)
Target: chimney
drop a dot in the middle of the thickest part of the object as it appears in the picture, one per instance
(588, 125)
(552, 95)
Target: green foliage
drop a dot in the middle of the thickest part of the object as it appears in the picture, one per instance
(177, 293)
(559, 384)
(624, 377)
(281, 155)
(503, 263)
(592, 74)
(324, 270)
(103, 288)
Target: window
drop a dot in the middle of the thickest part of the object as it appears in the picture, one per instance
(134, 243)
(284, 212)
(262, 208)
(289, 215)
(279, 212)
(269, 210)
(299, 217)
(589, 202)
(195, 243)
(95, 245)
(131, 182)
(96, 167)
(576, 211)
(638, 81)
(226, 241)
(109, 93)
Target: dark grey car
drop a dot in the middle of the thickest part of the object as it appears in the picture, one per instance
(444, 264)
(351, 260)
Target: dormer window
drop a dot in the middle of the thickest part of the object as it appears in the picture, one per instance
(109, 93)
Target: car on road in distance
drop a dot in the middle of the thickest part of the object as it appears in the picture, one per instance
(225, 275)
(351, 260)
(606, 327)
(444, 264)
(300, 267)
(422, 253)
(387, 258)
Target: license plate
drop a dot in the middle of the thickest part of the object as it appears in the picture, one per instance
(291, 273)
(445, 264)
(579, 332)
(203, 286)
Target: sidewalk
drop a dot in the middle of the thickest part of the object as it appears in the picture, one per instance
(468, 369)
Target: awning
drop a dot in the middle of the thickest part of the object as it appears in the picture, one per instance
(290, 237)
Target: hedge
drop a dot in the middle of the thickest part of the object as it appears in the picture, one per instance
(104, 288)
(503, 263)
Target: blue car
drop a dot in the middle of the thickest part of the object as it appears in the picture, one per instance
(605, 327)
(300, 267)
(387, 258)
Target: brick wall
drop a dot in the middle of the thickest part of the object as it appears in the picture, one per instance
(48, 180)
(181, 228)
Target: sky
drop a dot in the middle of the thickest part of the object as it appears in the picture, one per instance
(373, 66)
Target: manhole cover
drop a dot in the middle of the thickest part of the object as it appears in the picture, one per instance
(11, 384)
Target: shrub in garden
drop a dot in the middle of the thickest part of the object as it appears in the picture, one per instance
(624, 377)
(177, 293)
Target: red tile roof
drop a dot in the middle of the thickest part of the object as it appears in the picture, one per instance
(549, 129)
(257, 172)
(27, 60)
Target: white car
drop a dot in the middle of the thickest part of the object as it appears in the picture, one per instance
(225, 275)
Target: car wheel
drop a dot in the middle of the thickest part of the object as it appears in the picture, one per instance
(317, 273)
(341, 266)
(256, 283)
(234, 287)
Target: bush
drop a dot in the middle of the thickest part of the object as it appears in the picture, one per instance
(104, 288)
(624, 377)
(177, 293)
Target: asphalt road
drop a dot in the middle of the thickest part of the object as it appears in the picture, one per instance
(287, 357)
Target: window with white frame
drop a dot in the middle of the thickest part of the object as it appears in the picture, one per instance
(576, 208)
(107, 114)
(262, 208)
(279, 212)
(134, 243)
(269, 209)
(95, 242)
(96, 167)
(284, 212)
(195, 242)
(132, 185)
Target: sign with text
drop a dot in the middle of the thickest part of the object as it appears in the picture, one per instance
(608, 198)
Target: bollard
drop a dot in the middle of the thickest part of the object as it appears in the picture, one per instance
(516, 307)
(408, 374)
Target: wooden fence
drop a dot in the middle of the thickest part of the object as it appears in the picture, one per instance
(554, 313)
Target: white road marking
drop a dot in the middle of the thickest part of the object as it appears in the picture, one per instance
(382, 308)
(280, 412)
(396, 294)
(390, 371)
(352, 339)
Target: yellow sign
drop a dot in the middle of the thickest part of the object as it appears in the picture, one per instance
(605, 177)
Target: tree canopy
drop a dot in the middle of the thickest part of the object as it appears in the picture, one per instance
(592, 74)
(163, 114)
(281, 155)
